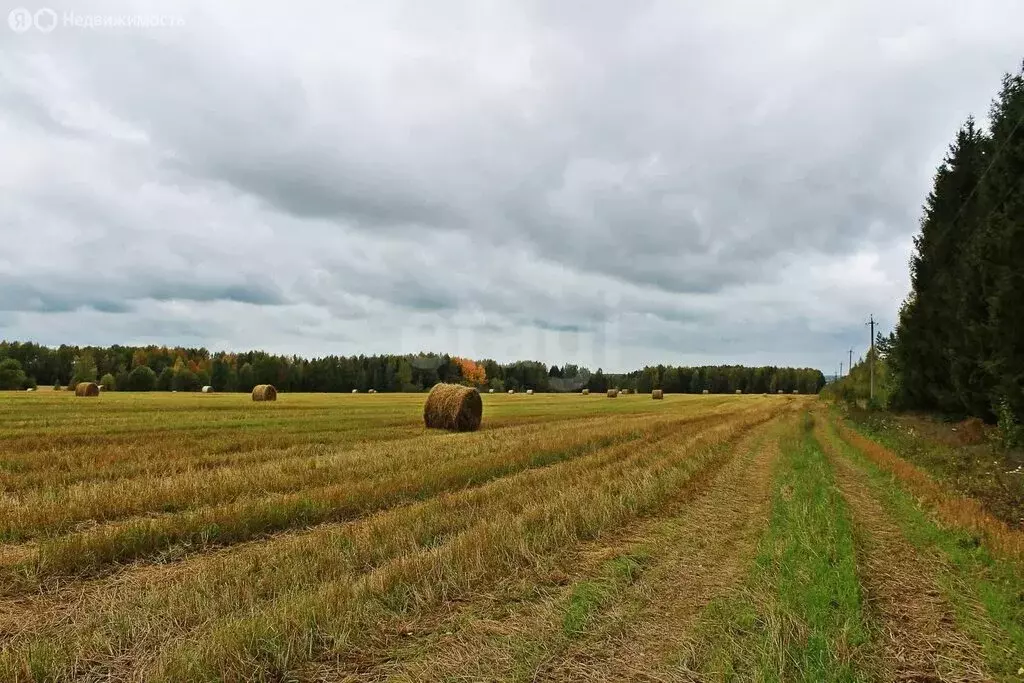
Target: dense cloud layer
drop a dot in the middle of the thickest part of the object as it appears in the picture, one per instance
(601, 182)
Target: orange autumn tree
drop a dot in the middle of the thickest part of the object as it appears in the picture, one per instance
(472, 372)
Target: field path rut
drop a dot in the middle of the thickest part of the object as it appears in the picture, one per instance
(920, 640)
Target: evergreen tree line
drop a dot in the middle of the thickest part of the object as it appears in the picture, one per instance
(959, 344)
(159, 368)
(716, 379)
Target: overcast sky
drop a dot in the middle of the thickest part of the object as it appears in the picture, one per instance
(602, 182)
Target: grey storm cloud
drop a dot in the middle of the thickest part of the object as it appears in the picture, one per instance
(62, 293)
(594, 182)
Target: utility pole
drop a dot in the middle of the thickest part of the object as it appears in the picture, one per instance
(871, 355)
(850, 366)
(840, 368)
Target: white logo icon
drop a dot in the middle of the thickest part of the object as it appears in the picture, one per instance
(46, 20)
(20, 19)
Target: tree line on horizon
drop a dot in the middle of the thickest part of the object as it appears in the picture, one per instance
(160, 368)
(958, 347)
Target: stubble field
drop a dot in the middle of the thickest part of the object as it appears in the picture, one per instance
(191, 537)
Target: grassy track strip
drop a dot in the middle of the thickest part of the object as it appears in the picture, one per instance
(919, 640)
(954, 510)
(984, 588)
(800, 615)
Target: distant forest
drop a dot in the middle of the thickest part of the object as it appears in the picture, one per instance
(159, 368)
(958, 347)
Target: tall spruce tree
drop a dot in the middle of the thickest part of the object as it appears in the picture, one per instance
(959, 344)
(928, 341)
(1004, 236)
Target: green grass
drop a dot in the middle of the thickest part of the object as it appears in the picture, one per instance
(589, 596)
(800, 616)
(982, 470)
(972, 576)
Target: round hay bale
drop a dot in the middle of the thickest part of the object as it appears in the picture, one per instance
(355, 391)
(658, 394)
(511, 391)
(739, 391)
(796, 391)
(490, 391)
(372, 391)
(780, 391)
(613, 393)
(453, 407)
(87, 389)
(264, 392)
(529, 392)
(207, 389)
(586, 392)
(704, 392)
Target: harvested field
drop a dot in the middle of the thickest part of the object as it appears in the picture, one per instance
(192, 537)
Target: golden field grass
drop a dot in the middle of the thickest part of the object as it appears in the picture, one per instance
(191, 537)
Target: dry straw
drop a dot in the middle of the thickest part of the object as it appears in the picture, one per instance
(264, 392)
(454, 407)
(658, 394)
(613, 393)
(953, 509)
(87, 389)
